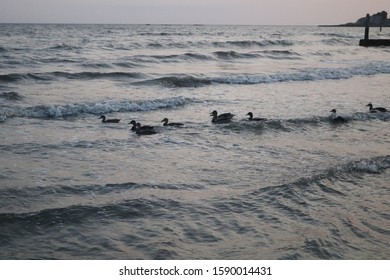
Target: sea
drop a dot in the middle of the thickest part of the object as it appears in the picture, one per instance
(293, 186)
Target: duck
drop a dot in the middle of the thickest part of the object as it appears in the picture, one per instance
(373, 109)
(222, 118)
(134, 127)
(166, 123)
(337, 119)
(144, 130)
(135, 124)
(104, 120)
(251, 118)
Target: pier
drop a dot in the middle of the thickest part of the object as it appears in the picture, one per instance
(367, 42)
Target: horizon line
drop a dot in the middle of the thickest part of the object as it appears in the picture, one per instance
(188, 24)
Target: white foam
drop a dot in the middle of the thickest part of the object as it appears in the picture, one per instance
(103, 107)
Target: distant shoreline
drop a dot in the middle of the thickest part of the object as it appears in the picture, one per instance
(376, 20)
(339, 25)
(350, 25)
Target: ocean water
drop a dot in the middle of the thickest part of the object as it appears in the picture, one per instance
(295, 186)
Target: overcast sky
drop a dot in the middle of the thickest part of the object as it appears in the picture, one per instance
(258, 12)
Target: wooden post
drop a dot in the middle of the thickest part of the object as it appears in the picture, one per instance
(383, 19)
(367, 27)
(366, 42)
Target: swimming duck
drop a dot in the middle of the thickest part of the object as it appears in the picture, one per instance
(144, 130)
(337, 119)
(165, 121)
(376, 109)
(104, 120)
(134, 127)
(222, 118)
(251, 118)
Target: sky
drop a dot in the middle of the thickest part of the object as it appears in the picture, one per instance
(245, 12)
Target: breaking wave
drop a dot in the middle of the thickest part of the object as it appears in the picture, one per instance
(15, 77)
(299, 124)
(253, 43)
(104, 107)
(310, 74)
(11, 95)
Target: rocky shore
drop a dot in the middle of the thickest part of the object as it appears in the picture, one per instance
(379, 19)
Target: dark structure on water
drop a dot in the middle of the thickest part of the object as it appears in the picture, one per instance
(367, 42)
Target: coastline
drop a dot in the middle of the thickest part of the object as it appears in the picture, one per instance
(379, 19)
(352, 25)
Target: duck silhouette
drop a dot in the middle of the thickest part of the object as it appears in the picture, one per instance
(251, 118)
(222, 118)
(166, 123)
(334, 118)
(373, 109)
(104, 120)
(144, 130)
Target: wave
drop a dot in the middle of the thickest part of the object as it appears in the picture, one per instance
(253, 43)
(218, 56)
(299, 124)
(337, 41)
(237, 44)
(78, 213)
(385, 116)
(291, 190)
(11, 95)
(177, 81)
(272, 54)
(66, 47)
(97, 65)
(337, 35)
(309, 74)
(15, 77)
(126, 64)
(97, 190)
(171, 58)
(358, 116)
(105, 197)
(288, 125)
(374, 166)
(56, 59)
(189, 80)
(96, 108)
(317, 184)
(228, 55)
(163, 34)
(322, 207)
(282, 54)
(98, 75)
